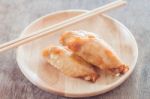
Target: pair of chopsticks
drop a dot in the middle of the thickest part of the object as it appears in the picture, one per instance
(50, 30)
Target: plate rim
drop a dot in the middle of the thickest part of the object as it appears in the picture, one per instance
(87, 94)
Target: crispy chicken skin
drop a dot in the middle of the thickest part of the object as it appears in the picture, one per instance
(69, 64)
(94, 50)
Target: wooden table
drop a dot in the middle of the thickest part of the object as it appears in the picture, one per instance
(15, 15)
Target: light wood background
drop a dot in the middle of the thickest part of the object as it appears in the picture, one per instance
(15, 15)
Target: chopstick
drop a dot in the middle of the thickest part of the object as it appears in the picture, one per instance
(50, 30)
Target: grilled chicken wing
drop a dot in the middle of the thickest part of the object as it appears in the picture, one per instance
(94, 50)
(69, 64)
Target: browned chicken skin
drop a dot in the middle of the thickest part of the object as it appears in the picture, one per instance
(69, 63)
(94, 50)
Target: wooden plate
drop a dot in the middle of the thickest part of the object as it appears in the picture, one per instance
(41, 74)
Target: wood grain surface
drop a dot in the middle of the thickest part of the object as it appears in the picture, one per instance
(15, 15)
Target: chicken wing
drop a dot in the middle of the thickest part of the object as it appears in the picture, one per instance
(94, 50)
(69, 64)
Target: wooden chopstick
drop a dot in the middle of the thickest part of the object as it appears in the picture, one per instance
(50, 30)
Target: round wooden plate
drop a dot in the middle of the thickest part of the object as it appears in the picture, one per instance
(41, 74)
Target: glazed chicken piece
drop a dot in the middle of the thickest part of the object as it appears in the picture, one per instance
(69, 64)
(94, 50)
